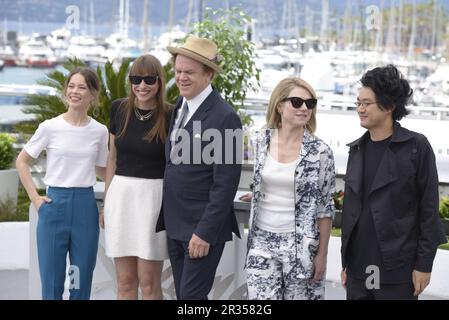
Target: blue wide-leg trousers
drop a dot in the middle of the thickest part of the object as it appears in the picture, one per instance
(67, 224)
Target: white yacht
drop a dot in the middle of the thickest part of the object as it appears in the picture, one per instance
(87, 49)
(121, 47)
(35, 53)
(59, 41)
(8, 55)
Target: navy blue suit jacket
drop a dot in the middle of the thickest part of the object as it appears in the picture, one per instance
(198, 197)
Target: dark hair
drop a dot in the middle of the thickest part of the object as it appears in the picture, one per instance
(144, 66)
(391, 88)
(91, 78)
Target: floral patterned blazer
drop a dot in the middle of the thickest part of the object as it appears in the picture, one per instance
(314, 187)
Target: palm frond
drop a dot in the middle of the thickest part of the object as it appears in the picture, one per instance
(171, 89)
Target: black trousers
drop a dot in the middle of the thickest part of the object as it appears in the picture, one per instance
(193, 277)
(357, 290)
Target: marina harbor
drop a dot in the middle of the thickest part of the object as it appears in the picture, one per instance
(329, 44)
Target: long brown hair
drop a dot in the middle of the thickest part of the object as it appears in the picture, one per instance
(144, 66)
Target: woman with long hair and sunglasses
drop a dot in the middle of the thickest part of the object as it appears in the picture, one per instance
(291, 201)
(134, 176)
(77, 151)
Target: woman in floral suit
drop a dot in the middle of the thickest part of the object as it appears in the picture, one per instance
(292, 206)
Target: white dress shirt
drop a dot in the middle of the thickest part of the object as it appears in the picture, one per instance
(194, 103)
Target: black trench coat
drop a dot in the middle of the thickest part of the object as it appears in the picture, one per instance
(403, 200)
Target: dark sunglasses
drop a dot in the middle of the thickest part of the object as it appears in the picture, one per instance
(149, 80)
(297, 102)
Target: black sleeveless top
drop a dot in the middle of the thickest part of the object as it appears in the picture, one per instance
(137, 157)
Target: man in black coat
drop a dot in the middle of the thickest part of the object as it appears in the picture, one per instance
(202, 172)
(390, 224)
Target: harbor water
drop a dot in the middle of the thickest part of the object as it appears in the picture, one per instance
(23, 75)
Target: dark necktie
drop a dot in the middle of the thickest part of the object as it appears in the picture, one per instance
(182, 118)
(179, 124)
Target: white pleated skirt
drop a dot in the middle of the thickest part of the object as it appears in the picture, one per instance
(131, 210)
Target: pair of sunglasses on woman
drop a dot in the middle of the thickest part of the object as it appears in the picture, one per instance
(149, 80)
(297, 102)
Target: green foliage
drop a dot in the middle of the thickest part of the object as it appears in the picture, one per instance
(172, 90)
(11, 212)
(7, 207)
(445, 246)
(226, 29)
(336, 232)
(112, 86)
(444, 208)
(7, 153)
(14, 218)
(338, 199)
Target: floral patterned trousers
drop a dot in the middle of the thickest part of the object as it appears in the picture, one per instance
(272, 270)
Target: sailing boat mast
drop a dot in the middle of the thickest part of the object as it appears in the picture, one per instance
(289, 21)
(379, 38)
(399, 31)
(146, 42)
(347, 24)
(85, 19)
(20, 28)
(308, 22)
(324, 22)
(434, 28)
(357, 32)
(201, 11)
(259, 13)
(391, 23)
(5, 32)
(296, 20)
(284, 18)
(189, 15)
(121, 15)
(170, 21)
(92, 18)
(126, 33)
(124, 18)
(411, 45)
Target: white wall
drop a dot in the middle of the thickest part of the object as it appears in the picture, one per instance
(14, 245)
(9, 184)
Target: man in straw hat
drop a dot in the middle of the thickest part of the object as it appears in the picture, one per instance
(198, 196)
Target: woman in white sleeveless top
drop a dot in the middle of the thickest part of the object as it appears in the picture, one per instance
(292, 206)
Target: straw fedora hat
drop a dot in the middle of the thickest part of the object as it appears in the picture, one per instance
(199, 49)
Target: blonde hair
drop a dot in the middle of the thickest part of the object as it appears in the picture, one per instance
(280, 92)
